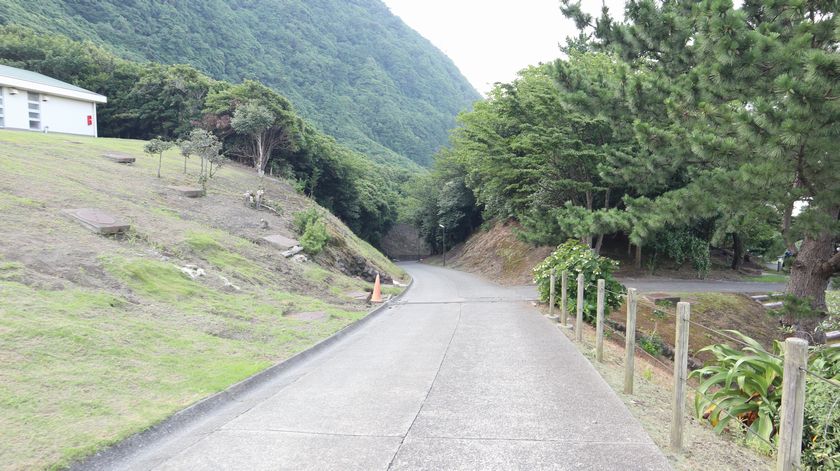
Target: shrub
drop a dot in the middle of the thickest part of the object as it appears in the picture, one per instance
(304, 219)
(313, 230)
(682, 246)
(314, 238)
(575, 258)
(651, 343)
(745, 385)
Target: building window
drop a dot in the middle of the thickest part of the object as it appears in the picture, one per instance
(2, 119)
(34, 110)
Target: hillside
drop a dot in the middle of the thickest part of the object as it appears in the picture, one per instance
(353, 67)
(101, 337)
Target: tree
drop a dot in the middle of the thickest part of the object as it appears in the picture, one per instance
(208, 148)
(157, 146)
(751, 96)
(257, 122)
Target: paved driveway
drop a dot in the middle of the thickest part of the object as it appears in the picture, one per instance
(460, 374)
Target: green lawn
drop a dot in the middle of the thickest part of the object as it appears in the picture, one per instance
(768, 278)
(101, 337)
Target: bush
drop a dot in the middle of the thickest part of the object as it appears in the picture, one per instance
(313, 230)
(682, 247)
(575, 258)
(747, 383)
(744, 385)
(651, 343)
(304, 219)
(314, 238)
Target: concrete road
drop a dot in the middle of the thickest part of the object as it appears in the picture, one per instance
(459, 374)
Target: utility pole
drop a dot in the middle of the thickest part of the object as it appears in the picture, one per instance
(444, 243)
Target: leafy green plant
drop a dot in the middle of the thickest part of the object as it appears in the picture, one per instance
(651, 343)
(575, 258)
(821, 433)
(313, 231)
(745, 385)
(315, 238)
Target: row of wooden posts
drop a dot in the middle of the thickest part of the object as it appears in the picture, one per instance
(793, 384)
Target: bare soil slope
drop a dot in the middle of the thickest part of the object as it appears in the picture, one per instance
(497, 254)
(101, 337)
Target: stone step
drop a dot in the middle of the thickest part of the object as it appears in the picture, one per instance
(188, 191)
(774, 305)
(98, 221)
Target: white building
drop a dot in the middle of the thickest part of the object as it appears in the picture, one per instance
(36, 102)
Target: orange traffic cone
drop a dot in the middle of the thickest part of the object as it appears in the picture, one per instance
(376, 297)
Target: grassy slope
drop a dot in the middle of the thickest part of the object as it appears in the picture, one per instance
(101, 338)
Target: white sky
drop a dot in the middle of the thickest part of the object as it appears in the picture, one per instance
(491, 40)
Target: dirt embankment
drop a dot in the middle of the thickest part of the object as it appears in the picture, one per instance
(496, 254)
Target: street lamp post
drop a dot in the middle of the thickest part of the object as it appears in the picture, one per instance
(444, 243)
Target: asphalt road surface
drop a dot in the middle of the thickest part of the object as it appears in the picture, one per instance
(459, 374)
(668, 285)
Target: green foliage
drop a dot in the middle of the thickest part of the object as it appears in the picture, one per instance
(821, 433)
(651, 343)
(352, 67)
(575, 258)
(682, 246)
(743, 385)
(148, 100)
(315, 238)
(305, 218)
(746, 386)
(313, 231)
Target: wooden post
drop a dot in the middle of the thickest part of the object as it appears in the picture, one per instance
(564, 288)
(579, 319)
(599, 323)
(793, 405)
(680, 375)
(630, 341)
(551, 292)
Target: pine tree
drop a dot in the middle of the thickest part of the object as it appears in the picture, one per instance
(751, 94)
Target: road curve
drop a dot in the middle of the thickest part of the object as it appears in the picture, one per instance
(459, 374)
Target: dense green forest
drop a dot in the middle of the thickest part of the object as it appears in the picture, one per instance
(149, 100)
(352, 67)
(687, 124)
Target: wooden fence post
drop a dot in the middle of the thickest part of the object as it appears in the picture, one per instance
(579, 319)
(630, 341)
(564, 287)
(793, 405)
(551, 293)
(680, 375)
(599, 323)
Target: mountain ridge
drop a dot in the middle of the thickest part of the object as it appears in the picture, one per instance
(353, 67)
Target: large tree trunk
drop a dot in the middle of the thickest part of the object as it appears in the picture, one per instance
(737, 252)
(810, 273)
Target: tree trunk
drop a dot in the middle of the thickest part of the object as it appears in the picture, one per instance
(737, 251)
(638, 261)
(160, 161)
(810, 274)
(601, 235)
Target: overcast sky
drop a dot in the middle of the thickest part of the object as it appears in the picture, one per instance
(490, 40)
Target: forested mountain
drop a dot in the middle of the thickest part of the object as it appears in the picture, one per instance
(349, 65)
